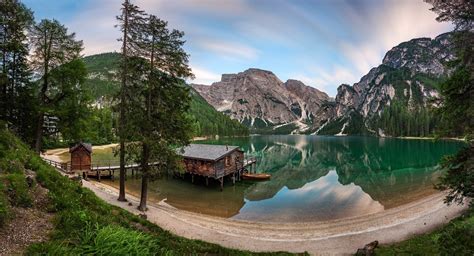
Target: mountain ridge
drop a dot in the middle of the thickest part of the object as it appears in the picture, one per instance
(407, 78)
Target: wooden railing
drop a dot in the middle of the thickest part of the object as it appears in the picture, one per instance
(62, 166)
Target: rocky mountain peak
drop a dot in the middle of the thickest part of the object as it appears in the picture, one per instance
(260, 99)
(422, 55)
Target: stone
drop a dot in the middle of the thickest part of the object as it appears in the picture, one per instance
(258, 98)
(368, 249)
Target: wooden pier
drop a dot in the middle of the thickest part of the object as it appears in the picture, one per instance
(107, 170)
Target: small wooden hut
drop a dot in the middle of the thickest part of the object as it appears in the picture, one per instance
(81, 157)
(213, 161)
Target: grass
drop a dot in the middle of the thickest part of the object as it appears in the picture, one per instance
(456, 238)
(86, 225)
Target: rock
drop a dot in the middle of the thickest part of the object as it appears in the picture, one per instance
(405, 75)
(258, 98)
(408, 73)
(142, 215)
(130, 204)
(368, 249)
(76, 178)
(30, 180)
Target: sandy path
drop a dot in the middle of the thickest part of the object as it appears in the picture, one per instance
(342, 236)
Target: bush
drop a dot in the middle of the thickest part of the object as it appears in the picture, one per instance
(458, 237)
(3, 205)
(18, 190)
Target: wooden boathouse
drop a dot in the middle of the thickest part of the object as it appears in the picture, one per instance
(214, 161)
(81, 157)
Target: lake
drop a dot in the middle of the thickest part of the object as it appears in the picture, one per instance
(314, 178)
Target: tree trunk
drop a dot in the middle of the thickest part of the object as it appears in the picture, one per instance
(39, 132)
(122, 108)
(122, 173)
(145, 172)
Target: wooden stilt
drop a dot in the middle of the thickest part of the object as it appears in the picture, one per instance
(98, 174)
(192, 178)
(222, 183)
(207, 181)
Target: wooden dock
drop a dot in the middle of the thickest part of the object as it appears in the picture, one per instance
(107, 170)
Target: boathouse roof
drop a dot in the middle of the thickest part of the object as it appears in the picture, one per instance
(87, 146)
(207, 152)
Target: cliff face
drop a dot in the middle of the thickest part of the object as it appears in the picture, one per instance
(260, 100)
(409, 75)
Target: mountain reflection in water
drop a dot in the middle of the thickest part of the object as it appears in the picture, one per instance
(322, 199)
(314, 178)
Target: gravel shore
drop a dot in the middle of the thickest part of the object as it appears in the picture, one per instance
(335, 237)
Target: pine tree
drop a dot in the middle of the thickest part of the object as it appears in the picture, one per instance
(15, 20)
(164, 122)
(53, 50)
(130, 23)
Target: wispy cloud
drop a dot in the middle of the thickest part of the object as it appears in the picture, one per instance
(229, 50)
(342, 38)
(204, 76)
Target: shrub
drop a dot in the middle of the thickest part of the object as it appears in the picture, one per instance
(3, 205)
(458, 237)
(18, 190)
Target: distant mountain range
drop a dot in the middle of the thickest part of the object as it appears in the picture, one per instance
(405, 82)
(104, 84)
(390, 99)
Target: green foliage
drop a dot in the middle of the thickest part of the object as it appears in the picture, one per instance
(4, 207)
(84, 224)
(354, 125)
(459, 179)
(397, 120)
(15, 75)
(209, 121)
(17, 190)
(454, 239)
(115, 240)
(102, 81)
(457, 110)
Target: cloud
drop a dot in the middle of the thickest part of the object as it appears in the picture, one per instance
(204, 76)
(229, 50)
(327, 79)
(344, 39)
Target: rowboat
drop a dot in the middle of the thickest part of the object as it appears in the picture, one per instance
(256, 176)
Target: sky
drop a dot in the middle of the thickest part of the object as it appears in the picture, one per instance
(322, 43)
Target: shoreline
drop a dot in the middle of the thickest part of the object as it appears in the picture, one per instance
(342, 236)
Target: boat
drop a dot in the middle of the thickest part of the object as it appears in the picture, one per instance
(256, 176)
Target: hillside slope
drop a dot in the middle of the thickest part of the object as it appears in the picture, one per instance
(104, 84)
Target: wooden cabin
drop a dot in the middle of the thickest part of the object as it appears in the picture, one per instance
(213, 161)
(81, 157)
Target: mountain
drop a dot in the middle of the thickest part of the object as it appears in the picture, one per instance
(103, 83)
(260, 100)
(391, 99)
(397, 92)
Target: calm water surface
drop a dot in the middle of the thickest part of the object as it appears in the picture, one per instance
(313, 178)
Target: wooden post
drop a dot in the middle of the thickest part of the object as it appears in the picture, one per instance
(207, 181)
(222, 183)
(192, 178)
(98, 174)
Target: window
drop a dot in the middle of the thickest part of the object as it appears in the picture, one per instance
(227, 161)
